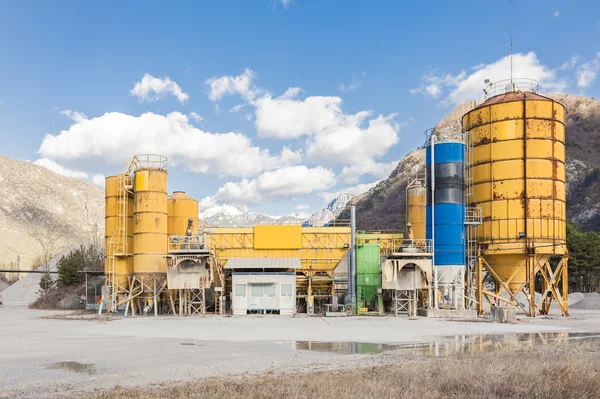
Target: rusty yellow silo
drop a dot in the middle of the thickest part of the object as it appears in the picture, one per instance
(180, 208)
(150, 216)
(517, 142)
(118, 225)
(416, 198)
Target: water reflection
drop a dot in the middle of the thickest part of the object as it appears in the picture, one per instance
(74, 367)
(449, 345)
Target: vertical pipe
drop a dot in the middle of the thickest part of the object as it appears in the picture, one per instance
(435, 271)
(353, 251)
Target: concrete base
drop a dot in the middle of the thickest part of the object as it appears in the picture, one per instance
(335, 314)
(447, 313)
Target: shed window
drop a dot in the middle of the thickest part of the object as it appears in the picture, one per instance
(269, 290)
(257, 290)
(240, 290)
(286, 290)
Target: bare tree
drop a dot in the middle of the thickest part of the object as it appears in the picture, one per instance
(48, 241)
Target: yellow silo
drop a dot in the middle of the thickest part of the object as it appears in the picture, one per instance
(118, 212)
(416, 198)
(150, 219)
(180, 208)
(518, 155)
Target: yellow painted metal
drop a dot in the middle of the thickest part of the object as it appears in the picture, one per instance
(180, 208)
(389, 241)
(416, 198)
(278, 237)
(518, 153)
(124, 265)
(321, 248)
(150, 221)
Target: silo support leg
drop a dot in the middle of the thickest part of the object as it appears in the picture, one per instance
(503, 288)
(555, 282)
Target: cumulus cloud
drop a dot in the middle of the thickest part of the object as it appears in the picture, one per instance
(587, 73)
(74, 115)
(99, 180)
(115, 136)
(351, 174)
(467, 87)
(59, 169)
(227, 85)
(569, 64)
(281, 183)
(331, 135)
(151, 89)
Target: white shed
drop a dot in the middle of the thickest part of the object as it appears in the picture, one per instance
(263, 284)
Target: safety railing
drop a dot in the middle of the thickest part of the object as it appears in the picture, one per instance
(508, 86)
(408, 247)
(473, 215)
(187, 243)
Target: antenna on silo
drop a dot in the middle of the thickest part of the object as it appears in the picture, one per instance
(511, 62)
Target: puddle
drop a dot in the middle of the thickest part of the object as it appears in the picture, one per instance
(450, 345)
(74, 367)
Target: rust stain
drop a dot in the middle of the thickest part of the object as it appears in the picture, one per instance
(522, 197)
(484, 140)
(157, 221)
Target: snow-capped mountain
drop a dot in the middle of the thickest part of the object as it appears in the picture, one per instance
(229, 216)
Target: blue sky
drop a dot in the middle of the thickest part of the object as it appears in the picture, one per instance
(75, 71)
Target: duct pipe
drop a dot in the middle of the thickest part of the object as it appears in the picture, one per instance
(352, 275)
(435, 269)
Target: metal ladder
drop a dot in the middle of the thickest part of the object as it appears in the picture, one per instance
(473, 218)
(117, 248)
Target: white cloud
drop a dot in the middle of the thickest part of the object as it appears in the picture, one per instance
(286, 3)
(569, 64)
(74, 115)
(351, 174)
(353, 85)
(333, 136)
(462, 87)
(99, 180)
(281, 183)
(302, 207)
(217, 109)
(115, 136)
(556, 14)
(195, 116)
(237, 108)
(152, 89)
(226, 85)
(59, 169)
(587, 73)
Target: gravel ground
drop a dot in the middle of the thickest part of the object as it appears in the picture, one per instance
(45, 356)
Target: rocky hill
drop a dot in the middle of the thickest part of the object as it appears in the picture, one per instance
(383, 207)
(34, 200)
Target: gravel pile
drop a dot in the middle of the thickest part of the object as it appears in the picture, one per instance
(26, 289)
(590, 301)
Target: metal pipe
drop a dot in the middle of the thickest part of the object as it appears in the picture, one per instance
(435, 271)
(353, 251)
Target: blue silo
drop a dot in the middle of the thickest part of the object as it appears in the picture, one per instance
(448, 217)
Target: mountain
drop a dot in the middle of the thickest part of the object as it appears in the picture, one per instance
(229, 216)
(383, 207)
(34, 200)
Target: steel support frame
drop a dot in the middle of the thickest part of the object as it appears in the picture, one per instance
(554, 287)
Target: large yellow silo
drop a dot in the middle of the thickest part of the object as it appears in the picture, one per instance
(114, 242)
(518, 155)
(180, 208)
(416, 198)
(150, 220)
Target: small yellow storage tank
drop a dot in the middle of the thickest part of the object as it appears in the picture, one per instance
(518, 153)
(112, 209)
(180, 208)
(416, 198)
(150, 220)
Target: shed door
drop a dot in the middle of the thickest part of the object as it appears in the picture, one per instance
(240, 299)
(263, 296)
(287, 299)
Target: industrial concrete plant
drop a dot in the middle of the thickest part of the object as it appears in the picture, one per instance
(484, 219)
